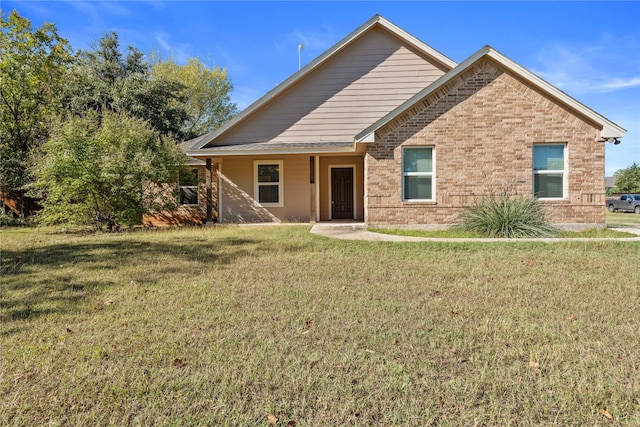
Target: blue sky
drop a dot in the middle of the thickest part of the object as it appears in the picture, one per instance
(590, 50)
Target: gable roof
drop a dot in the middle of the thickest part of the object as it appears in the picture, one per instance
(377, 21)
(609, 129)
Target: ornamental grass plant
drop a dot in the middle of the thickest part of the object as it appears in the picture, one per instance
(505, 215)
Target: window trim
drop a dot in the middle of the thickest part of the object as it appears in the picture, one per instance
(563, 171)
(196, 187)
(431, 174)
(257, 185)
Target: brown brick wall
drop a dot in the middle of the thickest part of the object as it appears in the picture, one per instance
(190, 214)
(483, 125)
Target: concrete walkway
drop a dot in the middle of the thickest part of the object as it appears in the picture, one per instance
(358, 231)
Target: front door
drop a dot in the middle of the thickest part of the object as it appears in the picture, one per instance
(342, 193)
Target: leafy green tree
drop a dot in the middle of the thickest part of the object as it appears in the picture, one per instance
(107, 170)
(107, 80)
(628, 179)
(207, 93)
(33, 63)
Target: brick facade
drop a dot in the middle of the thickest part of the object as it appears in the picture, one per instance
(188, 214)
(482, 125)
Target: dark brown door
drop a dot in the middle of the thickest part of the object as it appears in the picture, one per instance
(342, 193)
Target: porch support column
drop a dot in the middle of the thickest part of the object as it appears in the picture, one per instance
(209, 191)
(313, 185)
(316, 173)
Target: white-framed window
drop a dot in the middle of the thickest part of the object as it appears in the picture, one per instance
(418, 180)
(268, 182)
(188, 187)
(549, 171)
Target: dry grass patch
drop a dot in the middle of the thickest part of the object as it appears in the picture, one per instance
(226, 326)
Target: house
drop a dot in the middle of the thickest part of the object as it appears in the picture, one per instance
(609, 183)
(385, 130)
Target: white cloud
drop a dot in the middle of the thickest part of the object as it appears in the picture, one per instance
(31, 7)
(606, 65)
(314, 40)
(163, 43)
(616, 84)
(231, 63)
(96, 11)
(593, 84)
(179, 52)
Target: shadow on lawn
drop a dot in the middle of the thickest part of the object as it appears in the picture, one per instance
(56, 278)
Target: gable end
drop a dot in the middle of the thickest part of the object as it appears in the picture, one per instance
(607, 128)
(438, 61)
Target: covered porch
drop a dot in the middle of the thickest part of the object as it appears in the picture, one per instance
(261, 183)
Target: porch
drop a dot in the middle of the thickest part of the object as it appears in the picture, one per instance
(262, 188)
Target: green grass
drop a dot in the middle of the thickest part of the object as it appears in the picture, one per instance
(596, 233)
(450, 233)
(623, 219)
(612, 220)
(226, 326)
(456, 233)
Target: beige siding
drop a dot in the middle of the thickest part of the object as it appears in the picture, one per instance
(483, 127)
(369, 78)
(238, 203)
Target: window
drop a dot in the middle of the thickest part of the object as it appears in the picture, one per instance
(417, 173)
(549, 171)
(268, 182)
(188, 187)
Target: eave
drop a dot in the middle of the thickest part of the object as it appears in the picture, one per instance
(266, 149)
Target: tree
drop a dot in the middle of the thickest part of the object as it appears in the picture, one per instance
(107, 170)
(628, 179)
(33, 63)
(106, 80)
(207, 93)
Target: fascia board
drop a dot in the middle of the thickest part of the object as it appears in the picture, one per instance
(377, 19)
(609, 129)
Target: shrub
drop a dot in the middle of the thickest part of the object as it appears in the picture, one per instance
(506, 216)
(105, 171)
(10, 219)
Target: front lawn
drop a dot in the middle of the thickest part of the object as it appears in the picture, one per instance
(273, 325)
(613, 220)
(455, 233)
(623, 219)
